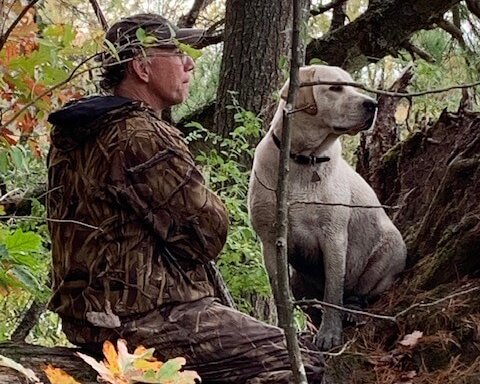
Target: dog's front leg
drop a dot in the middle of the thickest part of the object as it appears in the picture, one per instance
(334, 249)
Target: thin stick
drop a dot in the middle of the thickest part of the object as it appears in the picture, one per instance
(281, 288)
(346, 205)
(389, 93)
(100, 16)
(10, 29)
(394, 319)
(52, 220)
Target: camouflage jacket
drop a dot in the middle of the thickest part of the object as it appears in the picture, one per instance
(133, 223)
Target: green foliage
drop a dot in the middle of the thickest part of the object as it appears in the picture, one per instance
(22, 261)
(241, 260)
(204, 84)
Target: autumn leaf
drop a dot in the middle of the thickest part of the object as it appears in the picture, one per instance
(111, 357)
(27, 124)
(122, 367)
(59, 376)
(411, 339)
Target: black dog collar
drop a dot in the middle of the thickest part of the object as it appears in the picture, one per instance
(302, 159)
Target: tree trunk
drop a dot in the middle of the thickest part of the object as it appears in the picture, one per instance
(256, 40)
(381, 138)
(37, 358)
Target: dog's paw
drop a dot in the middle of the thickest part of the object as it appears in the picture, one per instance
(329, 336)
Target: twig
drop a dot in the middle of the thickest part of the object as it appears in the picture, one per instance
(99, 13)
(214, 26)
(8, 194)
(281, 288)
(342, 350)
(10, 29)
(394, 319)
(320, 303)
(52, 220)
(346, 205)
(389, 93)
(423, 305)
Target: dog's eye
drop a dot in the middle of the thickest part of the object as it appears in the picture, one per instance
(336, 88)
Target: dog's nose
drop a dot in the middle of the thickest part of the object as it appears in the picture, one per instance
(370, 105)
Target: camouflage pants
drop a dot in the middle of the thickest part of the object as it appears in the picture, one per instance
(221, 344)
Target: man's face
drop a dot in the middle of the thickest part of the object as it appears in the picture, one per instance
(169, 75)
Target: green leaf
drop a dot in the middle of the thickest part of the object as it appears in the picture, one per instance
(316, 60)
(111, 48)
(188, 50)
(170, 369)
(20, 241)
(140, 34)
(26, 278)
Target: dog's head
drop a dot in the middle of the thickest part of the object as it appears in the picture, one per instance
(330, 109)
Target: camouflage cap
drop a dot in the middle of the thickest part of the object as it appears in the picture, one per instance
(130, 34)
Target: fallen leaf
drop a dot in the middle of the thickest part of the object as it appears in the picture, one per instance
(59, 376)
(411, 339)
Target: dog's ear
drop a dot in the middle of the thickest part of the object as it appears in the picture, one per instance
(305, 100)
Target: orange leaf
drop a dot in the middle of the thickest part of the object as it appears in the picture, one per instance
(145, 365)
(59, 376)
(37, 89)
(27, 124)
(111, 357)
(8, 136)
(35, 148)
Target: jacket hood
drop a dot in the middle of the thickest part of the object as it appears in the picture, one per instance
(81, 120)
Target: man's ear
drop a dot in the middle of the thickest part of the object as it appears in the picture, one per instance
(305, 97)
(139, 68)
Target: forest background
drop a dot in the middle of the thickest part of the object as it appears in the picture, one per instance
(47, 57)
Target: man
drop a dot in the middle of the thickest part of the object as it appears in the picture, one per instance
(135, 226)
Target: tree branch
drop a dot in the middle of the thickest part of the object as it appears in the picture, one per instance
(454, 31)
(4, 37)
(416, 51)
(394, 318)
(390, 93)
(377, 33)
(338, 17)
(189, 19)
(324, 8)
(29, 320)
(100, 16)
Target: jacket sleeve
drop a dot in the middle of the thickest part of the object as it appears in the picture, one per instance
(160, 182)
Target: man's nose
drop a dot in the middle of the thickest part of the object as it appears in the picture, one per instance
(189, 64)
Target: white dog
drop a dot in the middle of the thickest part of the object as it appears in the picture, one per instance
(335, 250)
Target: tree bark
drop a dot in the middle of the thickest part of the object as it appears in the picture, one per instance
(381, 138)
(380, 31)
(37, 358)
(255, 42)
